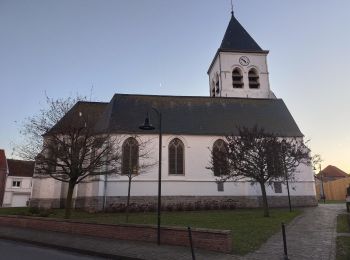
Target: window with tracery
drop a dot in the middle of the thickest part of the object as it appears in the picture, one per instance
(176, 157)
(220, 161)
(130, 156)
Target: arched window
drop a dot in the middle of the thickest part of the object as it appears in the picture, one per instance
(220, 161)
(253, 79)
(176, 157)
(237, 78)
(130, 156)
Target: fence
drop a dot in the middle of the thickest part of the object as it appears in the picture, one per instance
(334, 190)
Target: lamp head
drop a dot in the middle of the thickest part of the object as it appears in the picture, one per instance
(147, 125)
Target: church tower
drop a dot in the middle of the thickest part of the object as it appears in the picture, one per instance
(239, 68)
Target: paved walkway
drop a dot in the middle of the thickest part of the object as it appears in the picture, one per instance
(309, 236)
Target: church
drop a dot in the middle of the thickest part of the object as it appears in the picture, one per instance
(192, 127)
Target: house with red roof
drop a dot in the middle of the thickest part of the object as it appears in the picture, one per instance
(18, 187)
(331, 173)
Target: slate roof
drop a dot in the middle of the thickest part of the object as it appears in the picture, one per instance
(92, 112)
(236, 38)
(20, 168)
(196, 115)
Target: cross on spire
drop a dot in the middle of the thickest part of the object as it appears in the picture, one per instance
(231, 8)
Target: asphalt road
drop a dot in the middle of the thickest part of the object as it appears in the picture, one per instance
(12, 250)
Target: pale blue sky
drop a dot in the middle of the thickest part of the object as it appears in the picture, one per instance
(165, 47)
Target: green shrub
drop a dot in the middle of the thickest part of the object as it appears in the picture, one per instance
(34, 210)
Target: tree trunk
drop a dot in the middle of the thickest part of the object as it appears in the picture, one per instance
(264, 197)
(69, 200)
(128, 201)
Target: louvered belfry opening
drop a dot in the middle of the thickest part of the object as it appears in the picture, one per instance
(130, 156)
(213, 89)
(237, 78)
(253, 79)
(220, 163)
(176, 157)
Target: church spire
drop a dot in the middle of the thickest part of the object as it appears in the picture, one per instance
(239, 68)
(238, 39)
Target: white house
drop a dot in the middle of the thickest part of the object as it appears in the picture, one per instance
(18, 187)
(240, 95)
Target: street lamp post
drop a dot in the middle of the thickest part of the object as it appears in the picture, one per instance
(148, 126)
(323, 194)
(320, 176)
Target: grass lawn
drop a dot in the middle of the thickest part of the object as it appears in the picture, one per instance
(249, 228)
(332, 202)
(342, 223)
(343, 243)
(343, 248)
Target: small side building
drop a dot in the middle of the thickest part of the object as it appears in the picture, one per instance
(18, 188)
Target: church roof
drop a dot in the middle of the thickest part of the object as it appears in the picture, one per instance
(238, 39)
(196, 115)
(92, 112)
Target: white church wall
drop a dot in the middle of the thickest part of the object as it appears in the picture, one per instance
(204, 188)
(228, 62)
(46, 188)
(197, 180)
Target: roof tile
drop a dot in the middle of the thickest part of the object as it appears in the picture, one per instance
(20, 168)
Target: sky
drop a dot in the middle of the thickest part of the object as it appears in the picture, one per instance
(98, 48)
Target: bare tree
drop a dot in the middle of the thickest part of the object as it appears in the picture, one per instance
(72, 151)
(135, 162)
(257, 157)
(293, 152)
(33, 128)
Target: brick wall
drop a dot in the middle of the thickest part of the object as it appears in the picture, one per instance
(214, 240)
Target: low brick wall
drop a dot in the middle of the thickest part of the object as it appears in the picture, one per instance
(214, 240)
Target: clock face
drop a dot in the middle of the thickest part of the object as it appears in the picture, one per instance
(244, 61)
